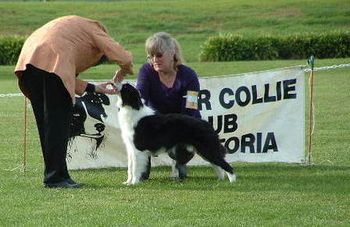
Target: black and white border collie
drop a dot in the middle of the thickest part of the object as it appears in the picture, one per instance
(145, 133)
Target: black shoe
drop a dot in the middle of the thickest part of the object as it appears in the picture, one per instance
(63, 184)
(69, 180)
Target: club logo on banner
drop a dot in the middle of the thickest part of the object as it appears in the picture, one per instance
(259, 116)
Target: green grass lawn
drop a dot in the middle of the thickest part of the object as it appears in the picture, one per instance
(271, 194)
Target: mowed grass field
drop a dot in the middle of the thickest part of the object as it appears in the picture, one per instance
(270, 194)
(191, 22)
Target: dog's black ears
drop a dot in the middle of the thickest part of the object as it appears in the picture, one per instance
(131, 96)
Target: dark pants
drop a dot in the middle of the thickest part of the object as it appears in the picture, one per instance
(53, 109)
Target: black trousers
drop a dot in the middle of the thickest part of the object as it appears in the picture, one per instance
(53, 111)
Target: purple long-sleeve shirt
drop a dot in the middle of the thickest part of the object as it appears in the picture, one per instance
(168, 100)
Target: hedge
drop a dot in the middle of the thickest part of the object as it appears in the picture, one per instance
(228, 47)
(10, 48)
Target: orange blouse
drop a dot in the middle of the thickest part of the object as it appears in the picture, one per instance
(69, 45)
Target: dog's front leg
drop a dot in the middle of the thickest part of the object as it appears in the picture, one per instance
(139, 166)
(130, 151)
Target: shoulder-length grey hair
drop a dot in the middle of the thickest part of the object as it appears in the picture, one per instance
(160, 42)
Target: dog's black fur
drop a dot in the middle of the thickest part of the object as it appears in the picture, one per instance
(153, 132)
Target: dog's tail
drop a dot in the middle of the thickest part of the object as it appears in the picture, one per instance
(223, 150)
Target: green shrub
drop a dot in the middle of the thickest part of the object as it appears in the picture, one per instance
(228, 47)
(10, 48)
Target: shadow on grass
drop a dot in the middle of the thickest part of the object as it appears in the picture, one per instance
(250, 178)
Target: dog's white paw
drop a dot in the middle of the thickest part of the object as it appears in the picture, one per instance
(127, 182)
(133, 182)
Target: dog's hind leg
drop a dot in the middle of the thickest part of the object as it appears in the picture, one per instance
(145, 175)
(178, 171)
(182, 170)
(219, 172)
(174, 170)
(182, 154)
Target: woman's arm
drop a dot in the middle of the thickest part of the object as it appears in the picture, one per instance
(113, 51)
(143, 83)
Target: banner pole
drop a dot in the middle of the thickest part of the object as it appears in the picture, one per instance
(25, 136)
(311, 62)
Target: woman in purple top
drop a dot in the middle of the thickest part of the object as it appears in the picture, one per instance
(167, 85)
(164, 99)
(164, 82)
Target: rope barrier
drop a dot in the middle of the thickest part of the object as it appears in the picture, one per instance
(11, 95)
(324, 68)
(331, 67)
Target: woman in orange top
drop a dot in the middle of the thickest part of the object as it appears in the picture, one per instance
(47, 70)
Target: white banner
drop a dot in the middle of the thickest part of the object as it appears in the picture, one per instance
(260, 117)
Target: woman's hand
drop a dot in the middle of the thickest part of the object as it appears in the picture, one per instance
(106, 88)
(119, 76)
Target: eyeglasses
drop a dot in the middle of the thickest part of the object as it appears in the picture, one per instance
(157, 55)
